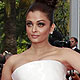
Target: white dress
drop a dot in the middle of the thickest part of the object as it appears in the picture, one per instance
(40, 70)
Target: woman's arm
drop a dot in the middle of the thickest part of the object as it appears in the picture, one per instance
(7, 70)
(73, 58)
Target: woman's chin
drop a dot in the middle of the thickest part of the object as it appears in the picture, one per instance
(35, 41)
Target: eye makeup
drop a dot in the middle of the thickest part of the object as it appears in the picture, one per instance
(29, 24)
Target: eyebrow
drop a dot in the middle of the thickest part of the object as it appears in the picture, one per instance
(28, 20)
(37, 21)
(41, 20)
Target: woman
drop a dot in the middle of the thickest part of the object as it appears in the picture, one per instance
(41, 61)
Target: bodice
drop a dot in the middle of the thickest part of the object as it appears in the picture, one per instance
(40, 70)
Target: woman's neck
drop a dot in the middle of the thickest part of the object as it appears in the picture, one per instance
(39, 48)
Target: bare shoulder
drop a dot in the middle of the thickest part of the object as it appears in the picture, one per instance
(66, 53)
(70, 55)
(15, 58)
(69, 51)
(64, 50)
(59, 50)
(11, 64)
(7, 68)
(10, 61)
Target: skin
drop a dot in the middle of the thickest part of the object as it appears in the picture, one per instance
(75, 77)
(38, 29)
(73, 42)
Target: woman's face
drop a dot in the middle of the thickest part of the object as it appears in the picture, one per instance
(37, 26)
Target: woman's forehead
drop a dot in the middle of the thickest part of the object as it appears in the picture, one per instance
(36, 15)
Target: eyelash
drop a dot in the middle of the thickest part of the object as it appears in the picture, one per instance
(41, 24)
(29, 24)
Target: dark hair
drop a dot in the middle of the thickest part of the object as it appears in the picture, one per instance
(45, 6)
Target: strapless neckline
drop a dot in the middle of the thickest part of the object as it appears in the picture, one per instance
(40, 70)
(37, 61)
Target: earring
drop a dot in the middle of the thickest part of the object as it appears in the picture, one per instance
(51, 33)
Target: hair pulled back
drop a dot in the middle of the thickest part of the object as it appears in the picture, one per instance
(45, 6)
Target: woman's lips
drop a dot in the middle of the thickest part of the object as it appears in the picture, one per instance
(35, 36)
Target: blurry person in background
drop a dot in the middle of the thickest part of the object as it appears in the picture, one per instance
(73, 44)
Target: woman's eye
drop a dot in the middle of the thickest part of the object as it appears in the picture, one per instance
(41, 24)
(29, 24)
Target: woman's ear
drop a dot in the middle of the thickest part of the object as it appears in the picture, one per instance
(52, 28)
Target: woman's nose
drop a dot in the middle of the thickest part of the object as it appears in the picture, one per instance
(34, 29)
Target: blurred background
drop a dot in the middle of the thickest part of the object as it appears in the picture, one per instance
(13, 36)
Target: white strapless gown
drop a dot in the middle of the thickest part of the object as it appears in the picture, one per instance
(40, 70)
